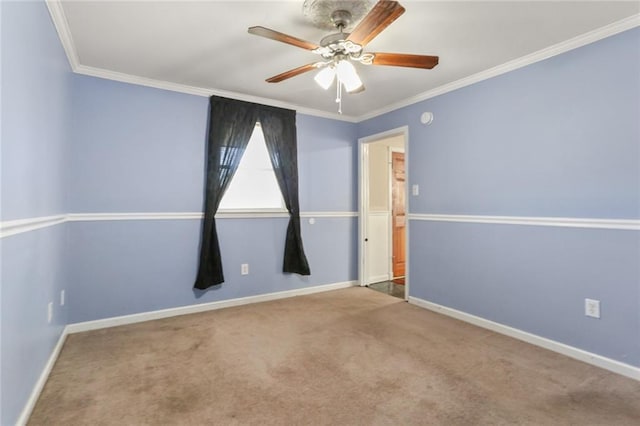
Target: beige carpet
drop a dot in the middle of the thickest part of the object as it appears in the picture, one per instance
(346, 357)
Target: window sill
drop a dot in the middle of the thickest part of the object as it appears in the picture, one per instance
(251, 213)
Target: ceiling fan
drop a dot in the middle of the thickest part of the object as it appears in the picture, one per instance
(340, 50)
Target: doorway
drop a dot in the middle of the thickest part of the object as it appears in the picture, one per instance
(383, 236)
(398, 217)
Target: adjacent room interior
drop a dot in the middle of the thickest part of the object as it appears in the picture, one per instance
(448, 233)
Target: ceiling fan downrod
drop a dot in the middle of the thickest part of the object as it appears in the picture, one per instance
(341, 19)
(340, 50)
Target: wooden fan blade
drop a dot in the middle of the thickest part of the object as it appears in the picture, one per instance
(284, 38)
(380, 17)
(292, 73)
(405, 60)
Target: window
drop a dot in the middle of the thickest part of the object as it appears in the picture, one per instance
(254, 185)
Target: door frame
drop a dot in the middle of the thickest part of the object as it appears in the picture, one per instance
(363, 199)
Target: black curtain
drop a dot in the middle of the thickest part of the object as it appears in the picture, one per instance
(279, 129)
(231, 123)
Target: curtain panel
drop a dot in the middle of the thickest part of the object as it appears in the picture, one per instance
(280, 135)
(231, 123)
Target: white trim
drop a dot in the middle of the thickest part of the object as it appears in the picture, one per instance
(552, 345)
(363, 210)
(143, 81)
(205, 92)
(62, 27)
(95, 217)
(390, 205)
(64, 32)
(228, 214)
(37, 389)
(249, 214)
(203, 307)
(546, 53)
(329, 214)
(363, 199)
(387, 134)
(566, 222)
(13, 227)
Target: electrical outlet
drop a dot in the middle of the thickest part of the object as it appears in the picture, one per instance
(592, 308)
(244, 269)
(49, 312)
(61, 297)
(415, 189)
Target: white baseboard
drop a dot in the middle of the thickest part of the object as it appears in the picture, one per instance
(570, 351)
(192, 309)
(42, 380)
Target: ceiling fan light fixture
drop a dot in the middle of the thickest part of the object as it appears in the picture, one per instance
(340, 50)
(325, 77)
(348, 76)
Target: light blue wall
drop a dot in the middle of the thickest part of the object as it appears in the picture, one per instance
(136, 149)
(36, 79)
(126, 267)
(535, 279)
(35, 119)
(557, 138)
(327, 165)
(33, 273)
(77, 144)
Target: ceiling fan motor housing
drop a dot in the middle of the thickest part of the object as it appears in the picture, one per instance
(339, 50)
(341, 19)
(321, 12)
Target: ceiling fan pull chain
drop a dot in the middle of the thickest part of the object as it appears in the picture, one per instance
(339, 51)
(339, 95)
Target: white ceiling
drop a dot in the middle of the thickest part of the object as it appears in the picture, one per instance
(203, 46)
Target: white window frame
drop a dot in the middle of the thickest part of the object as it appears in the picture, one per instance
(255, 211)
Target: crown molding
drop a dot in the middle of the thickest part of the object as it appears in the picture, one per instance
(62, 27)
(546, 53)
(205, 92)
(144, 81)
(64, 33)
